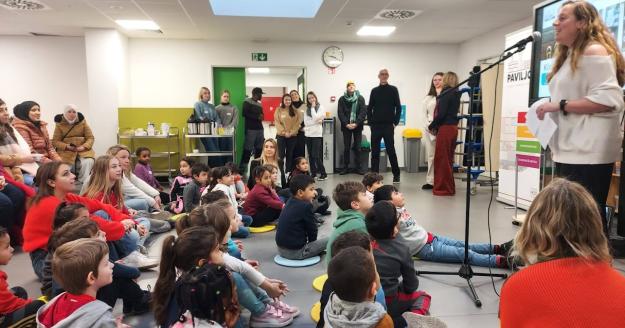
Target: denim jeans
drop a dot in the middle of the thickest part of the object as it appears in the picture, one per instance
(250, 297)
(133, 235)
(443, 249)
(11, 205)
(37, 259)
(137, 204)
(244, 231)
(131, 239)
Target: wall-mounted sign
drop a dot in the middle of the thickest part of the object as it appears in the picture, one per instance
(259, 56)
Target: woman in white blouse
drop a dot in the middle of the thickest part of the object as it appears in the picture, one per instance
(429, 105)
(586, 99)
(313, 130)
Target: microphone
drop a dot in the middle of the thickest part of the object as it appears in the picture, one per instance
(535, 37)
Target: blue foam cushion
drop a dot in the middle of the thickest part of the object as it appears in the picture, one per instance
(296, 263)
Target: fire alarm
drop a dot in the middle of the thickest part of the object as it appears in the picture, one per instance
(333, 99)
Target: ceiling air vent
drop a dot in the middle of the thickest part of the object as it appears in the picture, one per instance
(28, 5)
(398, 14)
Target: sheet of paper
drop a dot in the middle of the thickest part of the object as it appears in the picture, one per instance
(542, 130)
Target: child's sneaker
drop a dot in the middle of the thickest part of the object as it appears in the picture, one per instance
(139, 261)
(272, 317)
(289, 309)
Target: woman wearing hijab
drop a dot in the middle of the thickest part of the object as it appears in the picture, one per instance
(28, 123)
(19, 164)
(73, 141)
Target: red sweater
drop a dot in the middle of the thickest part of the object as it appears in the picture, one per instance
(567, 293)
(8, 301)
(259, 198)
(112, 201)
(39, 219)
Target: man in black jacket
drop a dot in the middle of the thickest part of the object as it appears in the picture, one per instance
(352, 113)
(384, 111)
(254, 133)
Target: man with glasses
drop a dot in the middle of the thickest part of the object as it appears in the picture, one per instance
(383, 114)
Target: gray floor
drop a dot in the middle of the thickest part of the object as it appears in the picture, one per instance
(442, 215)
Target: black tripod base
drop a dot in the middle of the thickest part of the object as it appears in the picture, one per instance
(466, 272)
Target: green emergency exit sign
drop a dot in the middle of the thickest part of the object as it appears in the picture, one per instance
(259, 56)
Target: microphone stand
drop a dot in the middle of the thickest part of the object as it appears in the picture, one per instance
(466, 272)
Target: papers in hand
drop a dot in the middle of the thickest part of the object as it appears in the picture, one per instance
(542, 130)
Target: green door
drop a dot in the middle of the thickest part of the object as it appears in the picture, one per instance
(233, 80)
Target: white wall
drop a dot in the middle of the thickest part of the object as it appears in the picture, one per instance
(484, 46)
(49, 70)
(168, 73)
(107, 74)
(289, 81)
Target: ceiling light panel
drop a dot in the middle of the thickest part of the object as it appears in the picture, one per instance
(138, 25)
(375, 30)
(266, 8)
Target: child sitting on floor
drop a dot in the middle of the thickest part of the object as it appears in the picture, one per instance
(432, 247)
(345, 240)
(105, 185)
(352, 273)
(143, 170)
(177, 186)
(222, 180)
(193, 249)
(193, 190)
(372, 181)
(81, 267)
(351, 199)
(262, 203)
(15, 306)
(238, 187)
(393, 261)
(296, 235)
(265, 311)
(124, 286)
(321, 203)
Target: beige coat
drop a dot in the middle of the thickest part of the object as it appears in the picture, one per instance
(79, 135)
(287, 123)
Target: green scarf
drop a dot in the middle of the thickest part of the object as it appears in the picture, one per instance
(353, 99)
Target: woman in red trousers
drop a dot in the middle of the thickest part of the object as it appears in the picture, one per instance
(445, 127)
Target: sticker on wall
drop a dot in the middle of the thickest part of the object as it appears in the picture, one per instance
(402, 117)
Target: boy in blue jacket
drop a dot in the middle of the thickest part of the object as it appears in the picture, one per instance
(296, 235)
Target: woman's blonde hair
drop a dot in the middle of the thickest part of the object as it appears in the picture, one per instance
(114, 150)
(563, 221)
(199, 94)
(450, 79)
(593, 31)
(263, 156)
(100, 182)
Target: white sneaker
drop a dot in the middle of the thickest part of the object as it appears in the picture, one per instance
(139, 261)
(272, 317)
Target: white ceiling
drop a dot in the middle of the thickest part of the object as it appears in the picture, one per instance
(442, 21)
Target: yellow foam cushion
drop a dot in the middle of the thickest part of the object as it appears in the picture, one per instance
(266, 228)
(315, 312)
(412, 133)
(319, 281)
(177, 216)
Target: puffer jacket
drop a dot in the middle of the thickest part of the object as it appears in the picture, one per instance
(78, 134)
(37, 138)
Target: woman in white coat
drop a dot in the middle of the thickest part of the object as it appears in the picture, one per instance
(429, 105)
(313, 130)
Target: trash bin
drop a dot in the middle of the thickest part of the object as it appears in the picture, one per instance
(365, 152)
(383, 158)
(412, 149)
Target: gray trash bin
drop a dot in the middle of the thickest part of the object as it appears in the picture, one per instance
(383, 160)
(412, 154)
